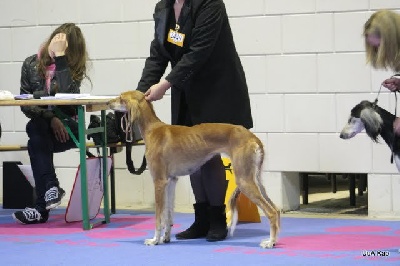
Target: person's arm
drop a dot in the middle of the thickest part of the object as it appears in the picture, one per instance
(393, 84)
(64, 79)
(31, 112)
(155, 64)
(206, 31)
(65, 83)
(154, 67)
(25, 88)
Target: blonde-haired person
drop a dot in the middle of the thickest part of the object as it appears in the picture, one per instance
(59, 66)
(382, 44)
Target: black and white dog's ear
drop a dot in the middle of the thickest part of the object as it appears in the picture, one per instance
(372, 122)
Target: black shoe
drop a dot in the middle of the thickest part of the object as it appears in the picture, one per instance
(218, 227)
(30, 216)
(53, 197)
(200, 226)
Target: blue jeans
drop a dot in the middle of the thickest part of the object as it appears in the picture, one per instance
(42, 144)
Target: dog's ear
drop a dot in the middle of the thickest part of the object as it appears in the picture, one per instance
(132, 105)
(372, 122)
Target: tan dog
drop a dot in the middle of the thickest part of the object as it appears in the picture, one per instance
(173, 151)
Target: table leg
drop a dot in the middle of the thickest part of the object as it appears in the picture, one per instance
(112, 181)
(105, 180)
(83, 168)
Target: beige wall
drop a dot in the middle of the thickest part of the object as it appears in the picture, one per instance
(304, 62)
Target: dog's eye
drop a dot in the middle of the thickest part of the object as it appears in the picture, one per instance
(352, 120)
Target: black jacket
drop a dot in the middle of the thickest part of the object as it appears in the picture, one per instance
(206, 71)
(33, 83)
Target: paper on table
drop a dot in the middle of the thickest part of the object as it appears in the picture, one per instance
(97, 97)
(65, 96)
(26, 169)
(6, 95)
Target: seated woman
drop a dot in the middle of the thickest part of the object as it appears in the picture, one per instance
(59, 66)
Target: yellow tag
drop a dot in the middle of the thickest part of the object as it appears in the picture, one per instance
(175, 37)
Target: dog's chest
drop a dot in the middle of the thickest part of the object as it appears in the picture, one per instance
(185, 166)
(182, 169)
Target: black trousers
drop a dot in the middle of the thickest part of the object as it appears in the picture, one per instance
(209, 182)
(42, 145)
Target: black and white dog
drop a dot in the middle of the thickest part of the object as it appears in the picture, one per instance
(377, 122)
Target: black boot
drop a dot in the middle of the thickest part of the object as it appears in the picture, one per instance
(218, 228)
(201, 224)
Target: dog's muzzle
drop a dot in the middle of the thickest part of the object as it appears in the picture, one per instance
(345, 135)
(117, 106)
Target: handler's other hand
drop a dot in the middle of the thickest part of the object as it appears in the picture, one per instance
(393, 84)
(59, 130)
(157, 91)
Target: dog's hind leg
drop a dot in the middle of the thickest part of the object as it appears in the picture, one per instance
(160, 185)
(169, 209)
(264, 194)
(247, 165)
(252, 191)
(275, 223)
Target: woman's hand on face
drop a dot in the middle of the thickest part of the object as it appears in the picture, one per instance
(59, 130)
(157, 91)
(58, 45)
(393, 84)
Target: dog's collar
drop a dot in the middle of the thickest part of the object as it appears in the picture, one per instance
(375, 103)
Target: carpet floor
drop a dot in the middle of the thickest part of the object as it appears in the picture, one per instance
(302, 241)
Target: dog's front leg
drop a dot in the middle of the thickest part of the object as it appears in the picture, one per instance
(169, 209)
(160, 185)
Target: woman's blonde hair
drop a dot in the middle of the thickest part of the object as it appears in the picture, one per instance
(76, 53)
(386, 24)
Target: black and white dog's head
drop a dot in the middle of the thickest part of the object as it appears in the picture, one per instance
(364, 115)
(377, 122)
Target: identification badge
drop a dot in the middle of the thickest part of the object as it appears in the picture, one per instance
(176, 37)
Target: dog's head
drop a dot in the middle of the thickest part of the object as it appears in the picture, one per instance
(363, 116)
(128, 102)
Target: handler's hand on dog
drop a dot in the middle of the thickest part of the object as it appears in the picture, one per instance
(59, 130)
(393, 84)
(157, 91)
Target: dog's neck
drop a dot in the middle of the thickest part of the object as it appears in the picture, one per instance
(386, 131)
(147, 119)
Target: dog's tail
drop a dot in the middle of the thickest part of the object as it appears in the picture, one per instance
(233, 210)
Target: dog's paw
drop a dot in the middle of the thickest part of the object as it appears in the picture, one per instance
(165, 239)
(151, 242)
(267, 243)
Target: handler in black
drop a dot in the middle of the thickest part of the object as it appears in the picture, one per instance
(208, 85)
